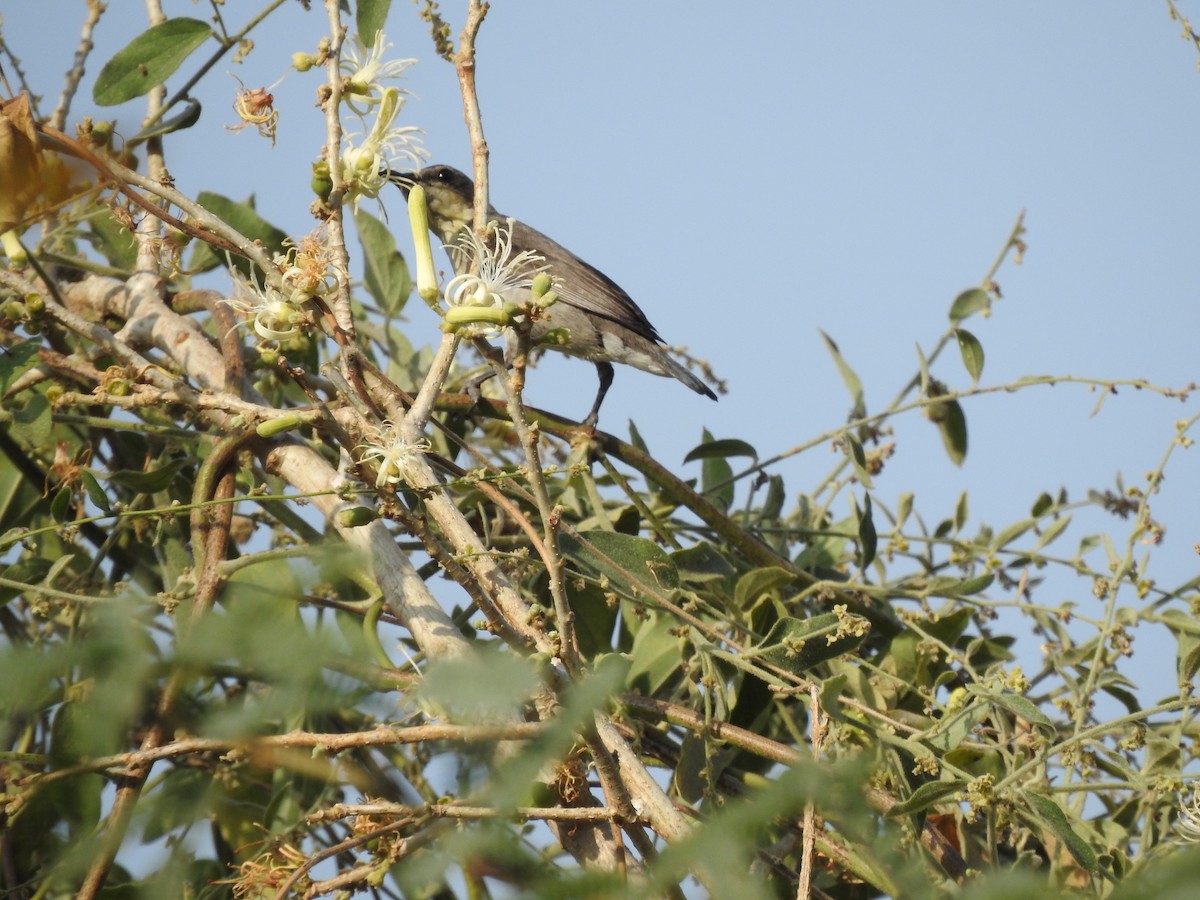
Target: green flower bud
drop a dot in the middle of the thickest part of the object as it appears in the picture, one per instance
(278, 425)
(542, 282)
(322, 180)
(355, 517)
(99, 134)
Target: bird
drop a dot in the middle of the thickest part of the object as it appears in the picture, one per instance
(601, 322)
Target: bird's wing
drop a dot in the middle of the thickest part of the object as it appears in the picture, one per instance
(587, 288)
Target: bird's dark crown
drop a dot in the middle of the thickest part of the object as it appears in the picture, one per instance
(445, 177)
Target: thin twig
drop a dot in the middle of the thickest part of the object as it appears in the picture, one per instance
(335, 223)
(464, 64)
(820, 727)
(58, 119)
(456, 811)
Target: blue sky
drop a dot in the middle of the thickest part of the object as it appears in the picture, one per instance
(752, 176)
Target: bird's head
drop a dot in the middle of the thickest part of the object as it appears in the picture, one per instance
(449, 194)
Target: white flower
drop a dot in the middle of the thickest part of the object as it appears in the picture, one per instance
(366, 166)
(392, 455)
(481, 300)
(366, 71)
(278, 315)
(494, 276)
(1188, 824)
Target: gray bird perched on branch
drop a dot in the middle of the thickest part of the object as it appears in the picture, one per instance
(600, 321)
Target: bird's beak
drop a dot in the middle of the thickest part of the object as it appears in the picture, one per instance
(402, 180)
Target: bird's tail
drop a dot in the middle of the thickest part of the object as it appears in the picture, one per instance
(685, 375)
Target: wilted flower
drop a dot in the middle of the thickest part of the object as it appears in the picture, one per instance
(256, 107)
(306, 268)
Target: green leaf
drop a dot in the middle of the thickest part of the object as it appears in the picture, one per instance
(849, 378)
(772, 504)
(178, 122)
(30, 570)
(972, 353)
(15, 360)
(1057, 527)
(1127, 698)
(632, 565)
(868, 539)
(370, 17)
(953, 730)
(148, 60)
(1188, 658)
(721, 449)
(688, 778)
(33, 423)
(757, 582)
(950, 627)
(797, 645)
(60, 506)
(245, 219)
(152, 481)
(595, 619)
(1015, 704)
(385, 273)
(702, 562)
(715, 477)
(924, 797)
(656, 653)
(1042, 505)
(858, 458)
(1187, 653)
(831, 690)
(966, 588)
(953, 427)
(1050, 815)
(1010, 534)
(968, 303)
(1162, 757)
(95, 492)
(923, 368)
(635, 438)
(113, 240)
